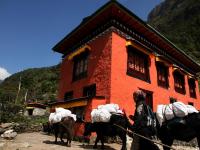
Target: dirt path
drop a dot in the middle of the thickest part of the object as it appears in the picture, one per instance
(41, 141)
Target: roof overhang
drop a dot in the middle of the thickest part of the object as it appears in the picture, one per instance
(36, 105)
(114, 10)
(76, 102)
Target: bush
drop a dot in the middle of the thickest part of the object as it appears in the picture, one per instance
(10, 112)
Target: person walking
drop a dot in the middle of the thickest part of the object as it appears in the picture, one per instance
(141, 123)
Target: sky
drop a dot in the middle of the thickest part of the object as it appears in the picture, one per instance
(30, 28)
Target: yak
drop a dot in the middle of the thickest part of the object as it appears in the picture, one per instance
(110, 129)
(183, 129)
(65, 126)
(47, 128)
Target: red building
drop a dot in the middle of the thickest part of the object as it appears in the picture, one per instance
(111, 54)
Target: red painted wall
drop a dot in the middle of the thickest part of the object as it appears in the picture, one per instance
(111, 78)
(123, 86)
(99, 71)
(92, 104)
(113, 82)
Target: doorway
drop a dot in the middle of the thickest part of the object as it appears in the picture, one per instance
(149, 97)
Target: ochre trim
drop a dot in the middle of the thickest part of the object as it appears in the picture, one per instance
(137, 46)
(71, 104)
(183, 72)
(29, 107)
(176, 68)
(179, 70)
(190, 77)
(78, 51)
(158, 59)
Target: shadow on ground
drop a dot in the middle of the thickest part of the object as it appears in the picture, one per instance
(86, 146)
(52, 142)
(83, 146)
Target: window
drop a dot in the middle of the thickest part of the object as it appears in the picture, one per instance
(68, 95)
(192, 87)
(162, 75)
(137, 65)
(179, 82)
(172, 100)
(79, 112)
(191, 103)
(89, 91)
(149, 97)
(80, 66)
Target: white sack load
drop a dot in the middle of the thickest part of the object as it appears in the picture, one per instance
(119, 111)
(104, 115)
(168, 111)
(100, 115)
(104, 112)
(73, 116)
(95, 115)
(164, 112)
(191, 109)
(177, 109)
(53, 118)
(159, 113)
(112, 108)
(59, 114)
(63, 112)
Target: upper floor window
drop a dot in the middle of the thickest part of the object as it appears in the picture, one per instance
(80, 66)
(162, 75)
(68, 95)
(179, 82)
(137, 65)
(89, 91)
(192, 87)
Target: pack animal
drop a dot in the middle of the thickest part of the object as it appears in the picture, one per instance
(47, 127)
(103, 129)
(183, 129)
(65, 126)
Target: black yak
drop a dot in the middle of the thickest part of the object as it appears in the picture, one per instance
(103, 129)
(183, 129)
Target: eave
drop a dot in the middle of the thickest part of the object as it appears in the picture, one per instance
(37, 105)
(114, 10)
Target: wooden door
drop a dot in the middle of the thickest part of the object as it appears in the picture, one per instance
(149, 97)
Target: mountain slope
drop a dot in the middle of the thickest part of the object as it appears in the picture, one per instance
(40, 84)
(179, 21)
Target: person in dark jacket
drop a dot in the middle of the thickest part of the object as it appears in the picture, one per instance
(139, 125)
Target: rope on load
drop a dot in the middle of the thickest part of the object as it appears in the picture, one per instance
(145, 137)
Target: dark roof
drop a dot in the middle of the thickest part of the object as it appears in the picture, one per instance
(114, 10)
(75, 99)
(37, 105)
